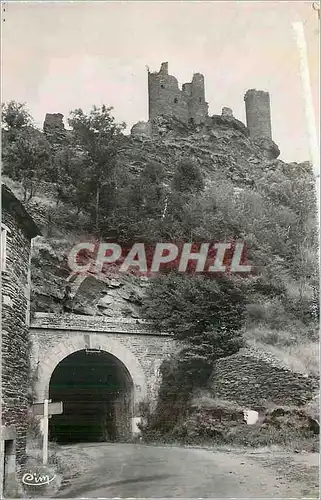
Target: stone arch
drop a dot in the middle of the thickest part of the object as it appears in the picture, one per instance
(51, 358)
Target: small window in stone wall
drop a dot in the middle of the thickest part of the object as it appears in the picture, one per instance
(4, 231)
(200, 99)
(175, 99)
(162, 86)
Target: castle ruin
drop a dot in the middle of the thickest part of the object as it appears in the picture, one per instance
(165, 97)
(188, 105)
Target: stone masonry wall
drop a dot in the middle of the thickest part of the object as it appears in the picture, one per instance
(250, 380)
(49, 331)
(258, 113)
(166, 98)
(15, 343)
(195, 95)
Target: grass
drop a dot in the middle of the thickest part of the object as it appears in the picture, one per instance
(256, 437)
(302, 358)
(247, 436)
(216, 422)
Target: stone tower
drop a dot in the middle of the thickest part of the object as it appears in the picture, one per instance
(194, 93)
(258, 113)
(53, 121)
(165, 97)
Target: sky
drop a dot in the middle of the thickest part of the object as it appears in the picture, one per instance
(59, 56)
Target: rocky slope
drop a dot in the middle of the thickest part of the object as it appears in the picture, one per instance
(222, 144)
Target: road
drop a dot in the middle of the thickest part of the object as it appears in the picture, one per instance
(141, 471)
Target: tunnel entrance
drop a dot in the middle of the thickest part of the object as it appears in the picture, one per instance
(96, 391)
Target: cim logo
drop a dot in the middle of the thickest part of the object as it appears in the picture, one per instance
(36, 479)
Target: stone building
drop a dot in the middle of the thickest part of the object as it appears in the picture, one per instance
(165, 97)
(17, 231)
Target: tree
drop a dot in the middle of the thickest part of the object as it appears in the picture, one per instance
(194, 307)
(150, 192)
(26, 152)
(71, 176)
(15, 116)
(97, 138)
(188, 177)
(139, 203)
(207, 316)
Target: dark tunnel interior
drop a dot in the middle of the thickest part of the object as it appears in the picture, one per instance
(96, 390)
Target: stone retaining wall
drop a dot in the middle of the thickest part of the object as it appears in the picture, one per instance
(251, 379)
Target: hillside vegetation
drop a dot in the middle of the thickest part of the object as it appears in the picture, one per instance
(210, 183)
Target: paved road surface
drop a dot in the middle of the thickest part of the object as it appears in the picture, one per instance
(127, 470)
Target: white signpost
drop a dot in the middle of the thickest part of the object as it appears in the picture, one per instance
(46, 409)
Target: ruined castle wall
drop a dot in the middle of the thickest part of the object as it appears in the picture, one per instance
(165, 97)
(258, 113)
(197, 107)
(189, 106)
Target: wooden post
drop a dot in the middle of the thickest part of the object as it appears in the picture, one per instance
(45, 431)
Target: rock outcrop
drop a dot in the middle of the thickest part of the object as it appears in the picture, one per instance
(141, 129)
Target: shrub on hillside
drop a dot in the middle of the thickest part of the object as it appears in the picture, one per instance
(207, 315)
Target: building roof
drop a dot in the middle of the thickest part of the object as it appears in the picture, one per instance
(10, 203)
